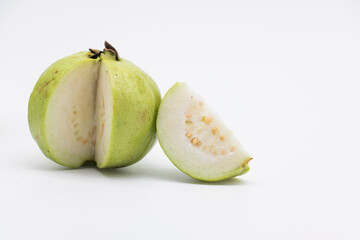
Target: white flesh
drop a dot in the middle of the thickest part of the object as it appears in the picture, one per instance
(184, 116)
(104, 112)
(69, 123)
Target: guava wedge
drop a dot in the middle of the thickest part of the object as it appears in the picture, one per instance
(195, 139)
(94, 106)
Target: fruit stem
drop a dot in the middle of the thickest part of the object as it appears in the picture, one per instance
(109, 47)
(95, 53)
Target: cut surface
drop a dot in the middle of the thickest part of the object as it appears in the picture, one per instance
(79, 116)
(69, 123)
(196, 140)
(104, 112)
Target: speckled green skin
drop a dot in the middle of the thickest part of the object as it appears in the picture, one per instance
(41, 94)
(242, 169)
(136, 99)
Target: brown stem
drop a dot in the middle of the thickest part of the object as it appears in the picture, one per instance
(95, 53)
(109, 47)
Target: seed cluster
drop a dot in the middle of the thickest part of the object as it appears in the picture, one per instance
(78, 135)
(102, 119)
(205, 128)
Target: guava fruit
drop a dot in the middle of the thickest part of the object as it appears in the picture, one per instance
(94, 106)
(195, 139)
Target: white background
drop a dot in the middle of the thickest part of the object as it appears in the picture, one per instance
(284, 76)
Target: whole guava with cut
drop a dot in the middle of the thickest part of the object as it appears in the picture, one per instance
(196, 140)
(94, 106)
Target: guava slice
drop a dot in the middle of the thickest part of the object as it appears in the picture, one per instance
(195, 139)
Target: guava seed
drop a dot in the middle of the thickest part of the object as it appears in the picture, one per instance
(188, 135)
(195, 141)
(214, 130)
(206, 119)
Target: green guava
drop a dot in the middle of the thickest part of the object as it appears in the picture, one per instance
(196, 140)
(94, 106)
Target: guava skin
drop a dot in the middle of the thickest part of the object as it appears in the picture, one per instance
(41, 94)
(240, 170)
(136, 99)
